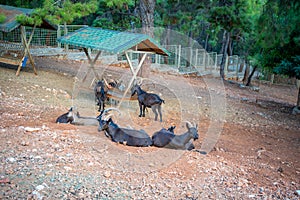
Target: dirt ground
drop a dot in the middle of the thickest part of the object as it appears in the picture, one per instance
(251, 139)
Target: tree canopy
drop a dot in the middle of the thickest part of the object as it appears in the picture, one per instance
(279, 37)
(58, 12)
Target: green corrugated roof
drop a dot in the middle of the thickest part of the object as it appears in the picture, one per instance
(10, 13)
(11, 23)
(111, 41)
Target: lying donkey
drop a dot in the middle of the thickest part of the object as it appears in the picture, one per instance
(167, 138)
(130, 137)
(73, 117)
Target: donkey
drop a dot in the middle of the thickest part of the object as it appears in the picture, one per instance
(130, 137)
(81, 121)
(167, 138)
(65, 118)
(148, 100)
(100, 95)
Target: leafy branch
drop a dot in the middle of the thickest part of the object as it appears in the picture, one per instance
(58, 12)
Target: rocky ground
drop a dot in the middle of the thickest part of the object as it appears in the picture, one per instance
(256, 155)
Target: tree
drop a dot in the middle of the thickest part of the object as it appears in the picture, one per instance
(279, 38)
(23, 3)
(117, 15)
(229, 16)
(146, 10)
(290, 68)
(245, 45)
(146, 13)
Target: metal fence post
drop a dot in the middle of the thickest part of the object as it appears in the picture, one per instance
(179, 56)
(65, 33)
(216, 61)
(204, 60)
(58, 36)
(196, 58)
(237, 68)
(226, 64)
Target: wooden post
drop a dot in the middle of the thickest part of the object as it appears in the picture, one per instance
(26, 49)
(134, 74)
(272, 78)
(92, 63)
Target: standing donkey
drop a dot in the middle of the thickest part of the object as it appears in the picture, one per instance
(148, 100)
(100, 95)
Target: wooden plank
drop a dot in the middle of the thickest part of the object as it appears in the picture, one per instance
(9, 61)
(118, 95)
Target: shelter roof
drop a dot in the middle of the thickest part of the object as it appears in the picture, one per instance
(11, 23)
(112, 41)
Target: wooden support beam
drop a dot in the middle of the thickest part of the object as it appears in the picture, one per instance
(134, 74)
(26, 49)
(92, 63)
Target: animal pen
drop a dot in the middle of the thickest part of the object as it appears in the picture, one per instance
(16, 51)
(114, 42)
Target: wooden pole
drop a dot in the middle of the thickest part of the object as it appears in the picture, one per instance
(92, 63)
(26, 49)
(134, 72)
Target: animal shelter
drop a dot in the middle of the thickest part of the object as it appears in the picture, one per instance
(115, 42)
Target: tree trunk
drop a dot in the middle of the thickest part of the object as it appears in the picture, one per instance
(250, 77)
(206, 42)
(241, 66)
(230, 46)
(146, 8)
(190, 51)
(223, 62)
(223, 42)
(298, 100)
(246, 74)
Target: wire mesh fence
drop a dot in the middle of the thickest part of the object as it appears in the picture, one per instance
(182, 59)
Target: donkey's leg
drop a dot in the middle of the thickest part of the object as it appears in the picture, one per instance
(144, 108)
(159, 111)
(154, 107)
(141, 109)
(189, 146)
(101, 106)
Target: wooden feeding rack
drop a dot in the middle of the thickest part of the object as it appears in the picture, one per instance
(114, 42)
